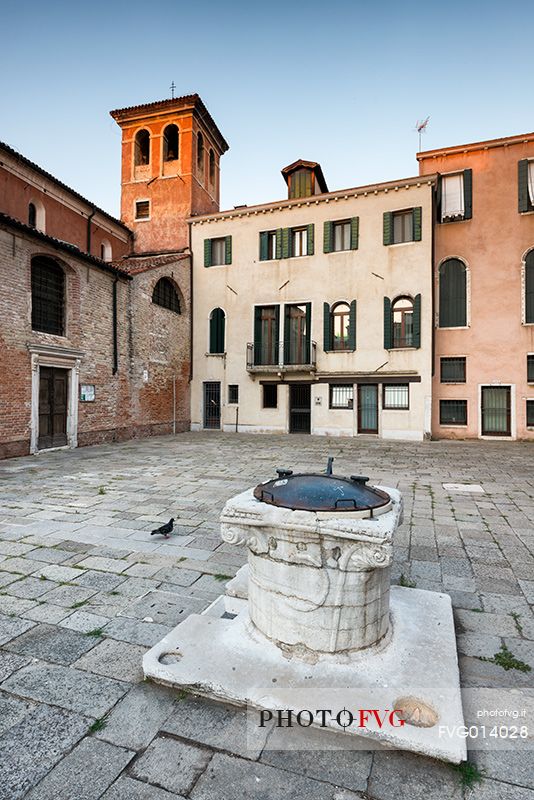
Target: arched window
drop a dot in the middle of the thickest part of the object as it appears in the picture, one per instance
(341, 327)
(402, 322)
(32, 215)
(166, 296)
(217, 325)
(48, 296)
(212, 167)
(142, 148)
(529, 287)
(105, 251)
(200, 152)
(170, 143)
(452, 294)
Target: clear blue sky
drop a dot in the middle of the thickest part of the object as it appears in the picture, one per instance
(338, 82)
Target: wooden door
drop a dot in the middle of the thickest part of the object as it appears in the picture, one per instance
(53, 393)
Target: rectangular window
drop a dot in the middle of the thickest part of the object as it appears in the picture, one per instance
(268, 246)
(266, 335)
(531, 182)
(270, 395)
(402, 227)
(271, 245)
(218, 251)
(142, 209)
(530, 413)
(452, 197)
(341, 232)
(452, 370)
(453, 412)
(297, 326)
(299, 242)
(233, 393)
(341, 396)
(396, 396)
(530, 368)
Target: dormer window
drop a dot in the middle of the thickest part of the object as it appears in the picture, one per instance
(304, 179)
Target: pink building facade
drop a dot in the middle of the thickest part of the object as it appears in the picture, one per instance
(483, 384)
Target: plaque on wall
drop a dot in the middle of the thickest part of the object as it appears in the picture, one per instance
(87, 392)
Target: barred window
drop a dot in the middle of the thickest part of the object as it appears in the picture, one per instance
(166, 296)
(48, 296)
(530, 413)
(233, 393)
(452, 370)
(341, 396)
(453, 412)
(396, 396)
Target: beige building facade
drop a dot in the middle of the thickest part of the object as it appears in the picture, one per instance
(314, 314)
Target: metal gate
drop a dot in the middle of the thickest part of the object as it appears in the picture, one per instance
(496, 411)
(212, 404)
(300, 408)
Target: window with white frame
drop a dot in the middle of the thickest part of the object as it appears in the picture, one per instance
(218, 251)
(299, 242)
(341, 395)
(341, 236)
(396, 396)
(452, 197)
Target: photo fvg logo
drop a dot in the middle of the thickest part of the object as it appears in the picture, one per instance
(326, 718)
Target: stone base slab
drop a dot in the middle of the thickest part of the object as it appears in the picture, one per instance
(222, 656)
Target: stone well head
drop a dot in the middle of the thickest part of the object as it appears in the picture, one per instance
(320, 549)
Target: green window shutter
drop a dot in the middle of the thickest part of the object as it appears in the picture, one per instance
(328, 236)
(221, 330)
(417, 220)
(327, 328)
(522, 185)
(354, 232)
(257, 335)
(452, 294)
(388, 227)
(207, 252)
(277, 333)
(417, 321)
(468, 193)
(438, 199)
(287, 327)
(279, 242)
(228, 250)
(307, 341)
(285, 242)
(352, 326)
(387, 324)
(310, 240)
(264, 246)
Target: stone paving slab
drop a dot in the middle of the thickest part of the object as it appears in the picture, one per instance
(114, 659)
(138, 717)
(93, 764)
(74, 690)
(173, 765)
(29, 749)
(50, 643)
(10, 627)
(128, 789)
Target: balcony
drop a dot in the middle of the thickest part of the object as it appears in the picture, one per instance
(280, 359)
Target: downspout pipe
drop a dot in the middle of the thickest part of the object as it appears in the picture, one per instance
(89, 220)
(115, 332)
(190, 304)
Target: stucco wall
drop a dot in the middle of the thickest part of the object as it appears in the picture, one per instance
(367, 275)
(492, 244)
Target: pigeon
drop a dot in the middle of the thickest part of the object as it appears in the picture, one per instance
(164, 530)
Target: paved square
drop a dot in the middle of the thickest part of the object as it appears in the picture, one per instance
(85, 591)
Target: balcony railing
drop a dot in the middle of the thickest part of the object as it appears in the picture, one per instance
(260, 359)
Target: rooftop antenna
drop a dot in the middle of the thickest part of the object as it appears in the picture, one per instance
(173, 87)
(420, 127)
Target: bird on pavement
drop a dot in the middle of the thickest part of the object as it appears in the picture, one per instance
(164, 530)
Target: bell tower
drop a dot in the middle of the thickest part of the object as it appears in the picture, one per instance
(171, 151)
